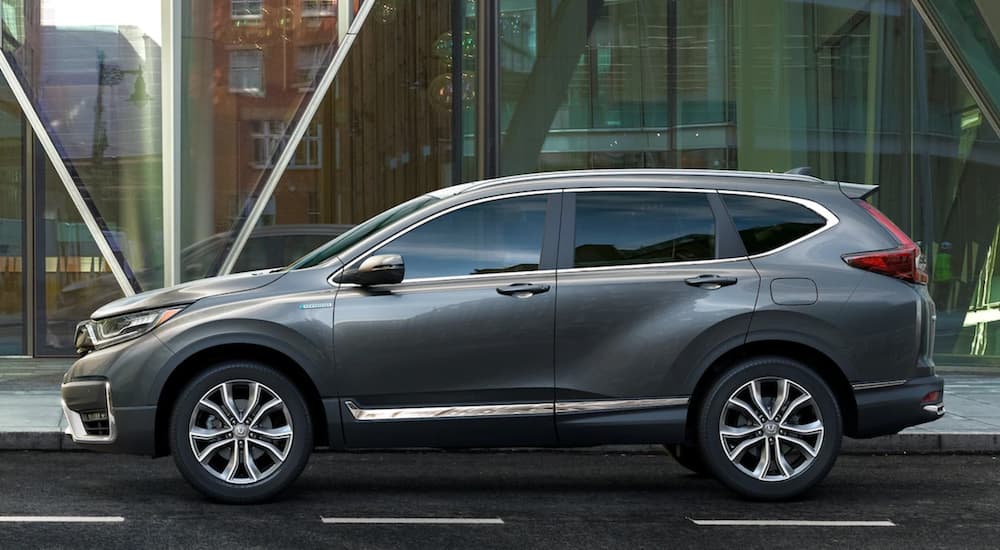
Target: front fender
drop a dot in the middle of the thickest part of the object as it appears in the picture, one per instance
(315, 360)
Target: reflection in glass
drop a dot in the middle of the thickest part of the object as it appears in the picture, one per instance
(248, 69)
(92, 71)
(12, 225)
(76, 278)
(384, 132)
(859, 91)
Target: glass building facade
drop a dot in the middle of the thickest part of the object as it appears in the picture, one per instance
(145, 143)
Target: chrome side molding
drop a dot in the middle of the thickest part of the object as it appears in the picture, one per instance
(601, 405)
(515, 409)
(876, 385)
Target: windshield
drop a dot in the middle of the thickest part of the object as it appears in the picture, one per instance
(360, 232)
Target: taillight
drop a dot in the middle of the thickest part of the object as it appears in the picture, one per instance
(903, 262)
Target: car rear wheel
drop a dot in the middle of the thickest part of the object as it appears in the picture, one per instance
(240, 432)
(770, 428)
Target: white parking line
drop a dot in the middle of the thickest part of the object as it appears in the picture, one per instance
(415, 521)
(788, 523)
(61, 519)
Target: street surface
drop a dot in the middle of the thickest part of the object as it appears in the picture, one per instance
(496, 500)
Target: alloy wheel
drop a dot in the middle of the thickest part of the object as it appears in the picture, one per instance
(241, 431)
(771, 429)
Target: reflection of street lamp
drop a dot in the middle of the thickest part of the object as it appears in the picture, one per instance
(110, 74)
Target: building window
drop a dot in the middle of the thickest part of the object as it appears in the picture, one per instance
(319, 8)
(246, 72)
(245, 9)
(269, 135)
(309, 60)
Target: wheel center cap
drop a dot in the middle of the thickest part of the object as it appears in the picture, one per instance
(770, 428)
(241, 430)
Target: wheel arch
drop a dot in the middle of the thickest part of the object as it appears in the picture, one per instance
(821, 363)
(197, 361)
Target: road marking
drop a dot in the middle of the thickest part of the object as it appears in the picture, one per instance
(788, 523)
(415, 521)
(61, 519)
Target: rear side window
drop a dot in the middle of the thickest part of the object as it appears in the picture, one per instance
(642, 227)
(765, 224)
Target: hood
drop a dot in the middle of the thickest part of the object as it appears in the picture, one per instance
(187, 293)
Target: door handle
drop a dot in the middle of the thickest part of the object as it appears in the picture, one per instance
(522, 290)
(711, 282)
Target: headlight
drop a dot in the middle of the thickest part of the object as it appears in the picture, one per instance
(114, 330)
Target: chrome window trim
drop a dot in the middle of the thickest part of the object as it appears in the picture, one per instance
(515, 409)
(831, 219)
(356, 257)
(876, 385)
(74, 421)
(600, 268)
(568, 407)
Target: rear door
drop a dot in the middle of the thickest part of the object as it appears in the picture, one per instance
(650, 281)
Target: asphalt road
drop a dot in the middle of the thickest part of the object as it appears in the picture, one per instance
(543, 499)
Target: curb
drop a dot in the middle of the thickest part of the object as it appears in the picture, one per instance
(925, 443)
(36, 441)
(903, 443)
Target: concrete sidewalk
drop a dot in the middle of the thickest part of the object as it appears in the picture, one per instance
(31, 415)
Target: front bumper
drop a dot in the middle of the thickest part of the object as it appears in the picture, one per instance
(94, 422)
(888, 408)
(90, 416)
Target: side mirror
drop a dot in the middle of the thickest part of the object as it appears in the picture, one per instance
(385, 269)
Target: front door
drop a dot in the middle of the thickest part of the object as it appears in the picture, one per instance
(460, 352)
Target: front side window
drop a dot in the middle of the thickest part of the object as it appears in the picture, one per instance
(642, 227)
(494, 237)
(765, 224)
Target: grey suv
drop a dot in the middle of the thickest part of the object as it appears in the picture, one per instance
(747, 321)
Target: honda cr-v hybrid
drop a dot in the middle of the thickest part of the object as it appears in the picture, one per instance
(748, 321)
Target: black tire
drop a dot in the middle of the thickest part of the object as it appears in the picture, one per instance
(292, 417)
(794, 476)
(688, 456)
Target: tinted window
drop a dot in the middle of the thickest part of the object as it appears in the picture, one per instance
(765, 224)
(642, 227)
(493, 237)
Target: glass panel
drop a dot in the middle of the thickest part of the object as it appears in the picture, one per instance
(958, 155)
(386, 131)
(92, 71)
(13, 282)
(636, 227)
(248, 69)
(495, 237)
(972, 28)
(766, 224)
(859, 91)
(76, 278)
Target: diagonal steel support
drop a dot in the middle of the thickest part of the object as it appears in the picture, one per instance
(343, 46)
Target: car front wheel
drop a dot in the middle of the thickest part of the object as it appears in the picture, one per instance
(770, 428)
(240, 432)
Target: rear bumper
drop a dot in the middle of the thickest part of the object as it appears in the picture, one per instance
(885, 409)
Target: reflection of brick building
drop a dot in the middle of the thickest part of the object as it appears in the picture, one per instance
(266, 56)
